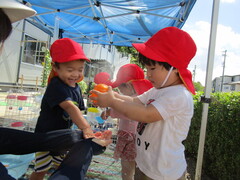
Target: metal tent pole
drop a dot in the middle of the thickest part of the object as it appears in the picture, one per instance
(208, 87)
(56, 29)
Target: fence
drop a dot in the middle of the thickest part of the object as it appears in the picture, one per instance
(29, 80)
(22, 109)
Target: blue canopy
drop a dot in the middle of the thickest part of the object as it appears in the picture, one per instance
(116, 22)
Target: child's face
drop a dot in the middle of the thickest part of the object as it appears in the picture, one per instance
(157, 74)
(126, 89)
(70, 72)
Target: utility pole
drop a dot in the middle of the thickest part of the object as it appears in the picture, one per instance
(224, 55)
(194, 73)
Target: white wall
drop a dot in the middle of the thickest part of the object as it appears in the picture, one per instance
(31, 71)
(9, 57)
(237, 87)
(97, 51)
(10, 60)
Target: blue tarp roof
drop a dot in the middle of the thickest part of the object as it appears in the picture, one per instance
(116, 22)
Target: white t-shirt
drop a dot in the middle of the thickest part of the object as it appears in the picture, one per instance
(160, 152)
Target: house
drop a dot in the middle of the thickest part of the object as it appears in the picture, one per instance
(23, 55)
(226, 83)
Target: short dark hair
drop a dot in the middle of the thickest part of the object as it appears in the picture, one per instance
(5, 25)
(146, 61)
(57, 64)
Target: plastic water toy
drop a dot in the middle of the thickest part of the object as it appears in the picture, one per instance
(99, 120)
(100, 88)
(22, 98)
(92, 113)
(17, 124)
(10, 101)
(21, 101)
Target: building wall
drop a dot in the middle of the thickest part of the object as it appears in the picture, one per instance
(12, 68)
(237, 87)
(33, 71)
(236, 78)
(9, 57)
(226, 88)
(107, 53)
(11, 65)
(230, 83)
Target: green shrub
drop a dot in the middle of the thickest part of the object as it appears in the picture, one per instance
(222, 143)
(46, 68)
(83, 86)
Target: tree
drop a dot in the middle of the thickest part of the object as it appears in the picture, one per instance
(198, 86)
(132, 52)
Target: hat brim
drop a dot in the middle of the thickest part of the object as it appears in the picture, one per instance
(185, 74)
(116, 83)
(143, 49)
(15, 10)
(127, 73)
(77, 57)
(186, 77)
(141, 85)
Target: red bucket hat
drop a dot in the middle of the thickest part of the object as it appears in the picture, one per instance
(103, 78)
(141, 85)
(133, 73)
(66, 50)
(174, 46)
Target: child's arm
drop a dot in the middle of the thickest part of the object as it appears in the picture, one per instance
(127, 98)
(128, 106)
(77, 117)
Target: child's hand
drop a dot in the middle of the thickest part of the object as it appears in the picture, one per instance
(88, 133)
(105, 114)
(103, 138)
(103, 99)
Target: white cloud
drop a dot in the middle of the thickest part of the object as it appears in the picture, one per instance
(228, 1)
(227, 39)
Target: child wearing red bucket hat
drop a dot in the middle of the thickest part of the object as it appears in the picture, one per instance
(164, 112)
(130, 82)
(62, 102)
(103, 78)
(20, 142)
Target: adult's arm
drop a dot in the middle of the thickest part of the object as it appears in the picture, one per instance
(19, 142)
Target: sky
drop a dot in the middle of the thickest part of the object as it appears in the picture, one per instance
(198, 26)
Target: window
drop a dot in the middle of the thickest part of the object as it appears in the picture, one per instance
(233, 87)
(33, 50)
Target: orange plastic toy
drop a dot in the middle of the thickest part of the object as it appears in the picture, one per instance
(100, 88)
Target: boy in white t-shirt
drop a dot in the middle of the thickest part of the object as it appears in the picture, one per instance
(164, 112)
